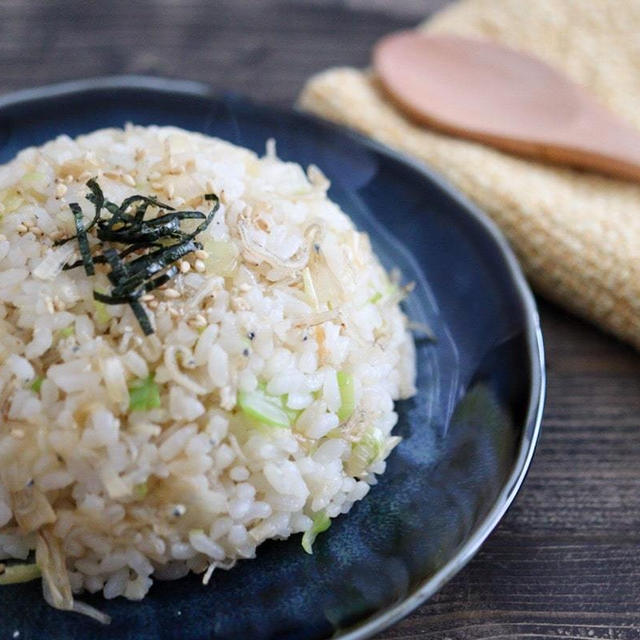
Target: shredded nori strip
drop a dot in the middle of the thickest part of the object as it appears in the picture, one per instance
(160, 241)
(83, 242)
(141, 317)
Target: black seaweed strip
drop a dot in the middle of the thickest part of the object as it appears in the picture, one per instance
(83, 242)
(131, 279)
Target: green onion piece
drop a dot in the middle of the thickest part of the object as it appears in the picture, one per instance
(223, 256)
(102, 315)
(17, 573)
(67, 332)
(140, 491)
(375, 297)
(35, 180)
(321, 522)
(144, 395)
(373, 446)
(347, 396)
(10, 200)
(37, 384)
(266, 409)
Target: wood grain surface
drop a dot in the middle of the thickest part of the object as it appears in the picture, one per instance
(564, 563)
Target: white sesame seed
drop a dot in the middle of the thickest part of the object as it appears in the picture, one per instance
(171, 293)
(154, 175)
(61, 189)
(37, 231)
(239, 304)
(170, 190)
(199, 266)
(185, 267)
(21, 228)
(201, 254)
(128, 179)
(147, 297)
(152, 304)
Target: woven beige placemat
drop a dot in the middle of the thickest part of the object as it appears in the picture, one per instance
(577, 234)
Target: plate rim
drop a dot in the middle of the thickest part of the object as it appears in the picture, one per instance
(531, 427)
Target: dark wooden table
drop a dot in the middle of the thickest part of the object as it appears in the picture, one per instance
(565, 561)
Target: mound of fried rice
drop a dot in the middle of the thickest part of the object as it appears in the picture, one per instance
(261, 406)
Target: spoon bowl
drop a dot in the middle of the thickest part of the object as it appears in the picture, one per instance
(495, 95)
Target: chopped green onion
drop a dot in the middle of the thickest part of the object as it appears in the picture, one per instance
(321, 522)
(222, 256)
(35, 180)
(67, 332)
(347, 396)
(17, 573)
(140, 491)
(265, 408)
(144, 395)
(373, 446)
(10, 200)
(389, 290)
(102, 315)
(37, 384)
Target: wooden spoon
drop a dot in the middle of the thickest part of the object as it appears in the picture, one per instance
(487, 92)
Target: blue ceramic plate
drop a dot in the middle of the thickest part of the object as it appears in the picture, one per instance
(468, 435)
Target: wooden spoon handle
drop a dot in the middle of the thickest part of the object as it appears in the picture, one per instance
(601, 142)
(611, 149)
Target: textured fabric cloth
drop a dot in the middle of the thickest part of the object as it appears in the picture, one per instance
(577, 233)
